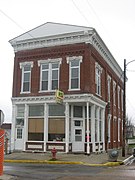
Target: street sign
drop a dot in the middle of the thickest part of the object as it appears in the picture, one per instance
(59, 95)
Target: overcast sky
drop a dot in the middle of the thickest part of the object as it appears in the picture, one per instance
(114, 20)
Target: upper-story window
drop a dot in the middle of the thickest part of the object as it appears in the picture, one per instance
(98, 71)
(122, 100)
(74, 72)
(109, 87)
(114, 92)
(118, 97)
(26, 76)
(49, 74)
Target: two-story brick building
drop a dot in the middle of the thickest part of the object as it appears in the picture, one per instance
(76, 61)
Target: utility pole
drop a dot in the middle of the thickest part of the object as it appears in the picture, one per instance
(124, 110)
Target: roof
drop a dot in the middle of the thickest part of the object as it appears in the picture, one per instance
(50, 29)
(6, 126)
(55, 34)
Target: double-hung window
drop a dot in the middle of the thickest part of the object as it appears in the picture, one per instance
(98, 71)
(109, 87)
(114, 92)
(74, 72)
(26, 76)
(49, 74)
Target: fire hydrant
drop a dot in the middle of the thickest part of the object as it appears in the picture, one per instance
(54, 151)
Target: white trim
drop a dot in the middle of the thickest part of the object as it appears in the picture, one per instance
(69, 60)
(40, 62)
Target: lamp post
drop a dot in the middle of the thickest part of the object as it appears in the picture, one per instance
(124, 107)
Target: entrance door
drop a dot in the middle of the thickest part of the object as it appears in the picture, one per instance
(78, 136)
(19, 139)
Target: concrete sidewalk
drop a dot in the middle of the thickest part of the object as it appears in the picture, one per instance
(101, 159)
(92, 159)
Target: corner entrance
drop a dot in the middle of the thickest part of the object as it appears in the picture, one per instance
(78, 137)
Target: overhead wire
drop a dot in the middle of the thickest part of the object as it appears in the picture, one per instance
(12, 20)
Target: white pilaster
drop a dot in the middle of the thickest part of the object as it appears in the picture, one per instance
(45, 125)
(88, 146)
(93, 127)
(103, 128)
(25, 135)
(67, 127)
(98, 110)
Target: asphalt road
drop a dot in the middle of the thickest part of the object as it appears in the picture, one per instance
(68, 172)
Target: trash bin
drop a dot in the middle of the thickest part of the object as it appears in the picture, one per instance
(113, 155)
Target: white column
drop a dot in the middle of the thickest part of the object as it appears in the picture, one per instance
(103, 128)
(45, 125)
(93, 127)
(98, 124)
(13, 127)
(67, 127)
(25, 135)
(88, 146)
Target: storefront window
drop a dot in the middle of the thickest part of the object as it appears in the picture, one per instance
(36, 110)
(78, 111)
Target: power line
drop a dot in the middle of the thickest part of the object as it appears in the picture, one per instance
(80, 11)
(12, 20)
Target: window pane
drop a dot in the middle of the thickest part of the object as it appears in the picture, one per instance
(78, 123)
(78, 111)
(20, 122)
(56, 110)
(20, 111)
(54, 84)
(37, 110)
(45, 75)
(74, 73)
(55, 65)
(55, 74)
(74, 83)
(19, 133)
(26, 77)
(26, 87)
(45, 66)
(44, 85)
(75, 63)
(27, 68)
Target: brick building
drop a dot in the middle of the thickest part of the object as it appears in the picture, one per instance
(76, 61)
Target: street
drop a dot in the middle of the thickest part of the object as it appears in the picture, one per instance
(65, 172)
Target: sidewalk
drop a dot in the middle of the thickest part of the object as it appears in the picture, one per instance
(97, 159)
(62, 158)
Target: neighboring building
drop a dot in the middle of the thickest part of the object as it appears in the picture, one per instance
(1, 117)
(7, 138)
(75, 60)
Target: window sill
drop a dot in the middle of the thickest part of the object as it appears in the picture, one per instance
(46, 91)
(28, 92)
(74, 89)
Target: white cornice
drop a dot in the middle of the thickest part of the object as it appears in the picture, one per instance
(76, 98)
(91, 36)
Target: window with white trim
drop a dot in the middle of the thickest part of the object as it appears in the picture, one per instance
(98, 71)
(118, 97)
(19, 133)
(74, 72)
(109, 87)
(109, 128)
(114, 92)
(114, 129)
(122, 100)
(49, 74)
(26, 76)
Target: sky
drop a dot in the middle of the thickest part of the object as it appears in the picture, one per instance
(114, 20)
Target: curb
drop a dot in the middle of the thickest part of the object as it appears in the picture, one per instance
(63, 162)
